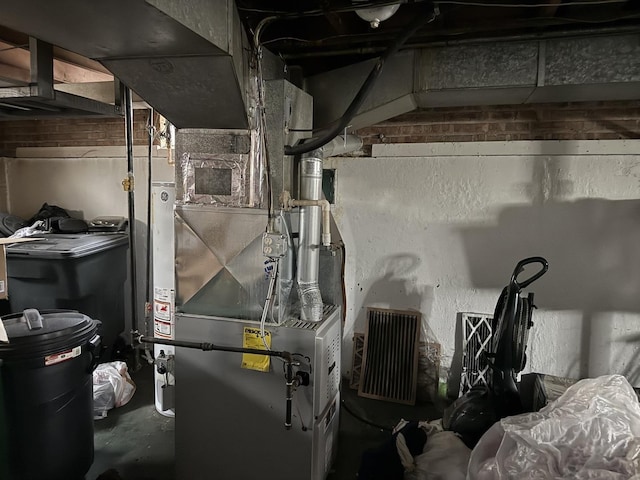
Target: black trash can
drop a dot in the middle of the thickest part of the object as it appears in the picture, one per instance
(46, 395)
(83, 272)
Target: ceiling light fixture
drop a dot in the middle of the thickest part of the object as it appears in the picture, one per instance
(377, 14)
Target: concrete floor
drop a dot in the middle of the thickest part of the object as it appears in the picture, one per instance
(139, 443)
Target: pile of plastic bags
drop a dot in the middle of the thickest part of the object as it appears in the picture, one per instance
(591, 432)
(112, 387)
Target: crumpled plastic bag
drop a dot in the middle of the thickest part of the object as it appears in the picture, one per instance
(112, 387)
(591, 432)
(444, 457)
(37, 228)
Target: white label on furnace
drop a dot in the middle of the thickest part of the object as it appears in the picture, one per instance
(163, 294)
(162, 311)
(163, 304)
(162, 329)
(62, 356)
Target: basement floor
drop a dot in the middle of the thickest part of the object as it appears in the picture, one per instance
(138, 442)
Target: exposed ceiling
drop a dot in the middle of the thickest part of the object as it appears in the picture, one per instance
(318, 35)
(74, 80)
(183, 58)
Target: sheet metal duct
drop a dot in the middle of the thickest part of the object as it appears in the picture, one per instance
(184, 58)
(309, 241)
(219, 261)
(494, 73)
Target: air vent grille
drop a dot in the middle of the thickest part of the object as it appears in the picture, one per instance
(390, 361)
(476, 335)
(356, 364)
(294, 322)
(332, 356)
(302, 324)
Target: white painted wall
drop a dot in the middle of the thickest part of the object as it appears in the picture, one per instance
(86, 181)
(438, 228)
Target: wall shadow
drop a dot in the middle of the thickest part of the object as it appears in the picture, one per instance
(398, 289)
(591, 246)
(455, 372)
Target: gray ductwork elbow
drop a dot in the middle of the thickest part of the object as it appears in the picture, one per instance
(310, 301)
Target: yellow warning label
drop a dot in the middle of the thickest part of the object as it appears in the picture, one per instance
(252, 338)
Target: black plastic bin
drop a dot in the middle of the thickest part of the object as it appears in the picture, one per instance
(83, 272)
(46, 395)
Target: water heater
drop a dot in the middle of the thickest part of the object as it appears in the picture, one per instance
(163, 199)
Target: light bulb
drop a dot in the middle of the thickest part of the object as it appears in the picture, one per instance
(377, 14)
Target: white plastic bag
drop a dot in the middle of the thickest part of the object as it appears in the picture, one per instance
(112, 387)
(36, 229)
(444, 457)
(591, 432)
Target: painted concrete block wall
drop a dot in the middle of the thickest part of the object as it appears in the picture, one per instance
(439, 228)
(86, 181)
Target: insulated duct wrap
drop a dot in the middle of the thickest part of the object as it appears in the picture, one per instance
(217, 180)
(231, 177)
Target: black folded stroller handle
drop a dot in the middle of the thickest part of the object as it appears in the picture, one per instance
(520, 268)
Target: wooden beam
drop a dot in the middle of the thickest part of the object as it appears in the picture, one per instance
(80, 61)
(62, 70)
(14, 75)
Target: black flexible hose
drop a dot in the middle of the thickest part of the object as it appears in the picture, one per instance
(362, 419)
(362, 94)
(208, 347)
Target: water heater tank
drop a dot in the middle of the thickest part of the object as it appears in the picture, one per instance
(163, 199)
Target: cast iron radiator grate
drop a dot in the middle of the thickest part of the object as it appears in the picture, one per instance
(390, 359)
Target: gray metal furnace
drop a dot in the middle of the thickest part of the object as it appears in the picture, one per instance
(231, 420)
(258, 266)
(231, 417)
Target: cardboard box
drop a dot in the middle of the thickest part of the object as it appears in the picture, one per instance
(4, 290)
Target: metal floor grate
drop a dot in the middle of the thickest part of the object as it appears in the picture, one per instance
(476, 335)
(390, 359)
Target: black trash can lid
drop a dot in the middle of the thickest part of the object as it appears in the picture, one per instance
(33, 333)
(10, 223)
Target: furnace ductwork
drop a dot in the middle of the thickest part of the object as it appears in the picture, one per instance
(309, 241)
(187, 59)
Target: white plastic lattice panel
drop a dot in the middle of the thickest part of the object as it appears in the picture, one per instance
(476, 335)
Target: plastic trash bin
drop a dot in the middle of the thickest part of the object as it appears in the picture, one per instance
(83, 272)
(46, 395)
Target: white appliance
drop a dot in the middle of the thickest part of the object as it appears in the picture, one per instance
(163, 199)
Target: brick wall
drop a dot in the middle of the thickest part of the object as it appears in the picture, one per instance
(66, 132)
(552, 121)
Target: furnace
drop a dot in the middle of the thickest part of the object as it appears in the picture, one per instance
(258, 268)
